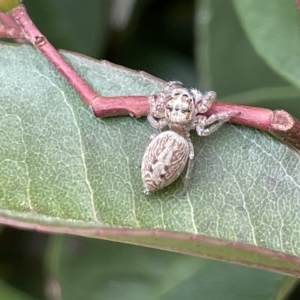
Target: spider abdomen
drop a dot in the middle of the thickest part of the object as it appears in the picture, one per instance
(164, 160)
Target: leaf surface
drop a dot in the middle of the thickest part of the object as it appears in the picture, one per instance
(63, 170)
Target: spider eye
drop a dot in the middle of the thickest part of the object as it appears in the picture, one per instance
(185, 110)
(169, 107)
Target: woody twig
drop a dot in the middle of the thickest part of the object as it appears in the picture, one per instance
(19, 26)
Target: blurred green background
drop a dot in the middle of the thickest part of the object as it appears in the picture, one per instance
(200, 43)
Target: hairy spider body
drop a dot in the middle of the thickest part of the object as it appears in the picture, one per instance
(180, 109)
(164, 160)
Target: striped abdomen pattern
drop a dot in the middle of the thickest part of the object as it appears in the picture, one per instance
(164, 160)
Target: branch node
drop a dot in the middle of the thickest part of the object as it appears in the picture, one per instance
(282, 121)
(40, 41)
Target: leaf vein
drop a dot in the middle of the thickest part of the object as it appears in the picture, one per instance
(87, 181)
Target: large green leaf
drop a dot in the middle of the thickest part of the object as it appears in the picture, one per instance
(230, 61)
(63, 170)
(233, 67)
(273, 29)
(92, 269)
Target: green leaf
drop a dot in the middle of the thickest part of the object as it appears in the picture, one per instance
(9, 293)
(91, 269)
(63, 170)
(226, 58)
(273, 29)
(229, 64)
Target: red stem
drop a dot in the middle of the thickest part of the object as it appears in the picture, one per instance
(8, 20)
(41, 43)
(10, 29)
(138, 106)
(257, 117)
(10, 32)
(279, 122)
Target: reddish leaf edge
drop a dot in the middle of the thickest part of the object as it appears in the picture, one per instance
(185, 243)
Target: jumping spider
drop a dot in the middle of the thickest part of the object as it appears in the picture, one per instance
(167, 154)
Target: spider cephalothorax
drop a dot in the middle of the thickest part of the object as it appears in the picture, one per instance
(181, 110)
(178, 107)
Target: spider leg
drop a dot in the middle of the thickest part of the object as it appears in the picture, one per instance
(169, 86)
(157, 123)
(214, 122)
(190, 163)
(151, 138)
(204, 101)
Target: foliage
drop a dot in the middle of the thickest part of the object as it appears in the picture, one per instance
(65, 171)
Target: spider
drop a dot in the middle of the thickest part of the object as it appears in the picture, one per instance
(167, 154)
